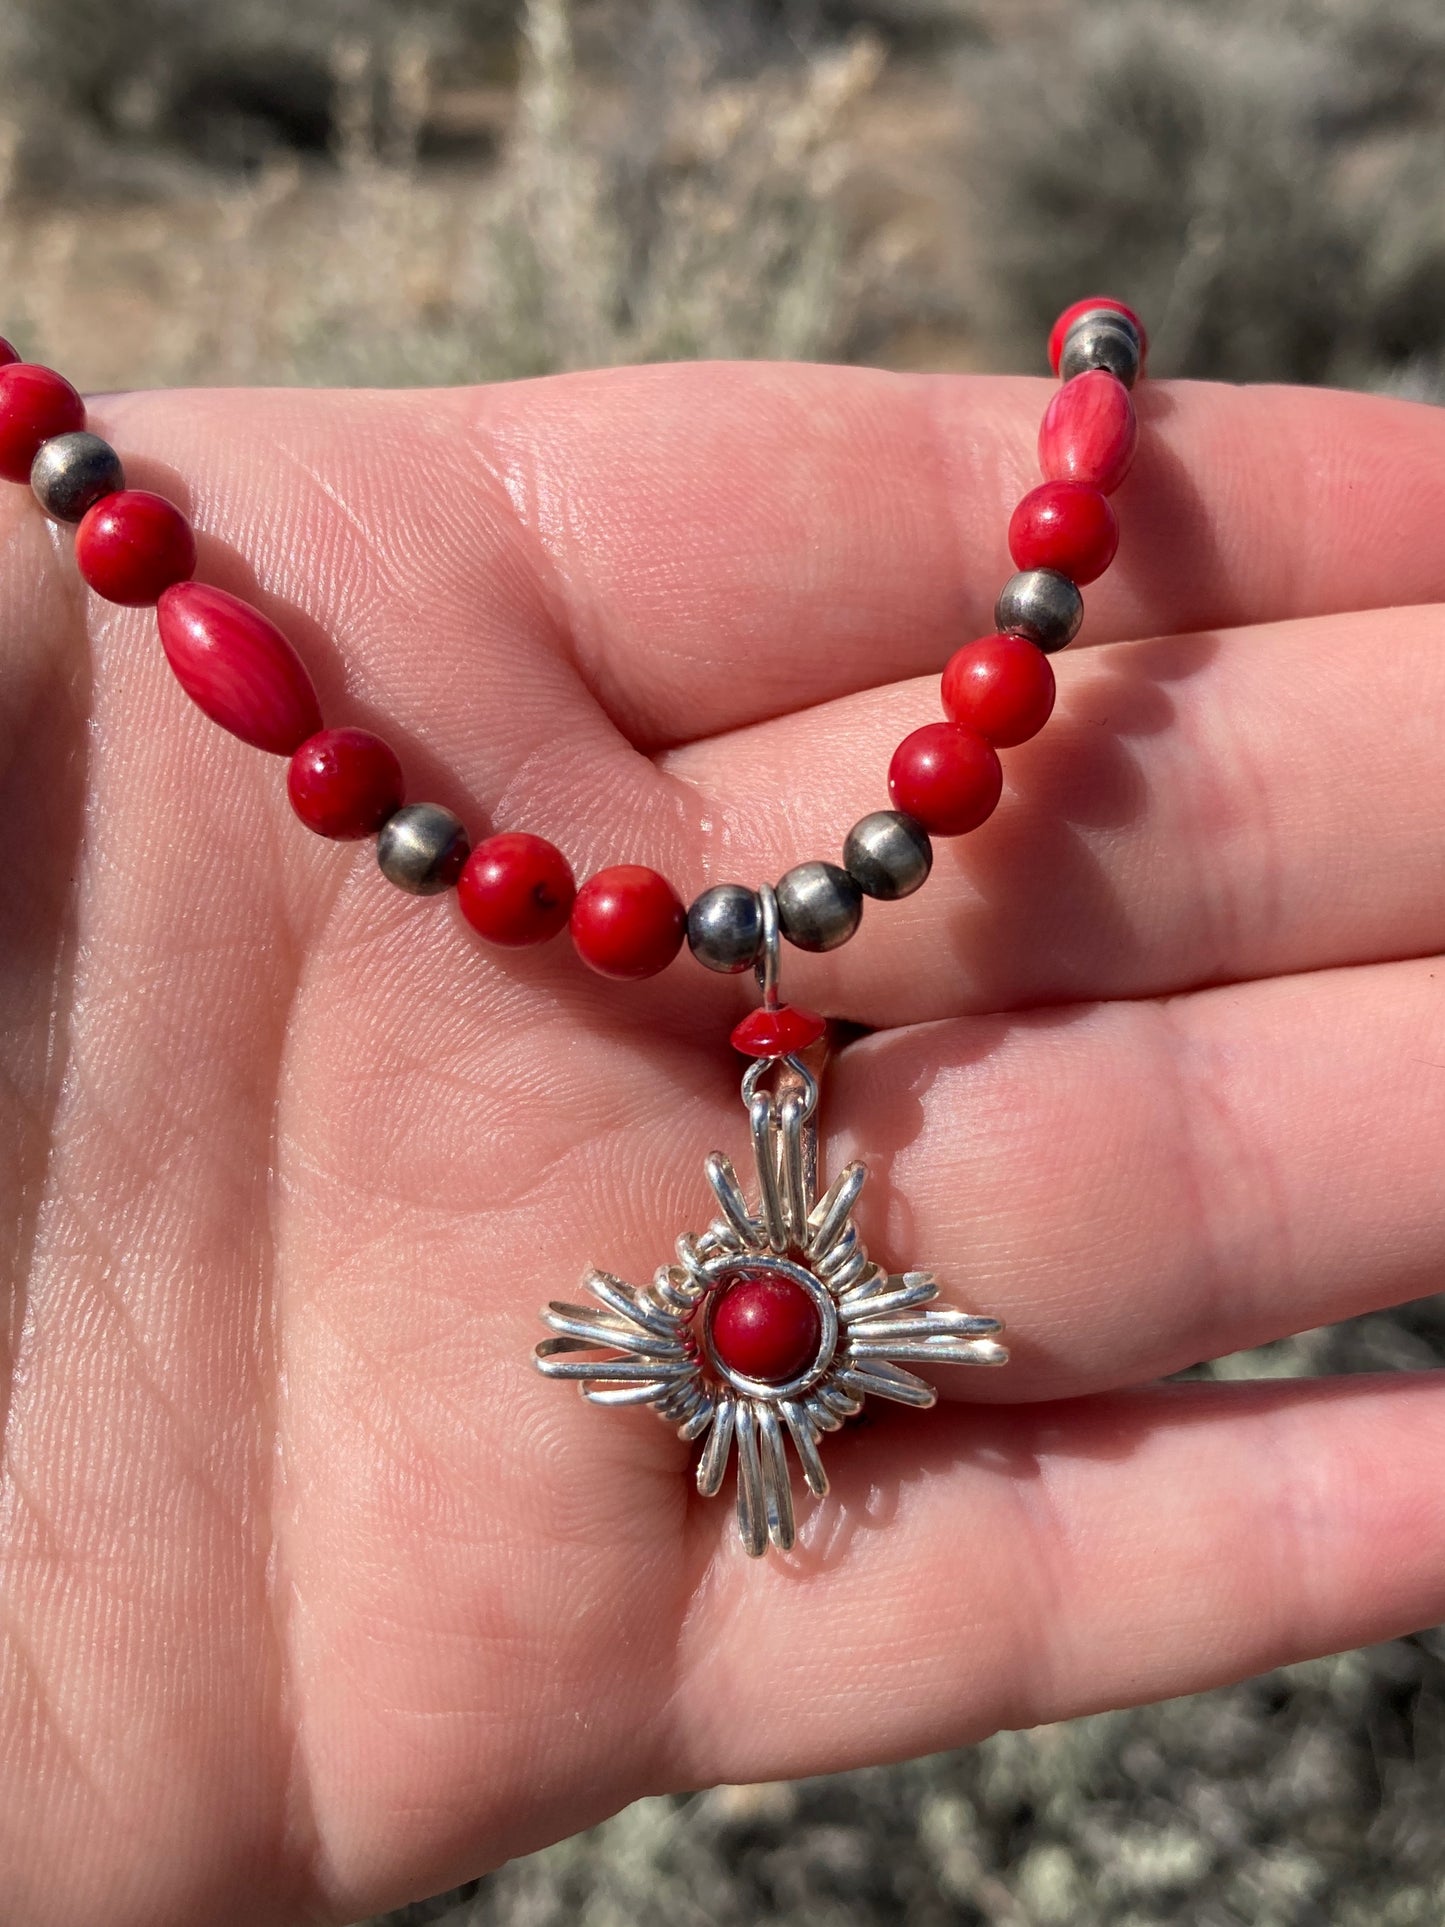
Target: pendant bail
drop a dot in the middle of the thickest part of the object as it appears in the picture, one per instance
(769, 949)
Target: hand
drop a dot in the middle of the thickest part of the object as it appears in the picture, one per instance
(315, 1595)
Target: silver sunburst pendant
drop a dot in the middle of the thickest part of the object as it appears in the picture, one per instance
(774, 1323)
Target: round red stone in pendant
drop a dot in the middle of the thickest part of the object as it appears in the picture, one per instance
(765, 1326)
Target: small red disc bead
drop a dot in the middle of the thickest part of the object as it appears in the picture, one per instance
(235, 664)
(1059, 332)
(777, 1033)
(1065, 527)
(344, 782)
(516, 889)
(766, 1326)
(133, 545)
(35, 404)
(1089, 431)
(1002, 686)
(947, 777)
(628, 922)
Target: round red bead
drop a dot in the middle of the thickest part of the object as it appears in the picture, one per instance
(777, 1033)
(947, 777)
(133, 545)
(8, 353)
(516, 889)
(1089, 431)
(766, 1326)
(1059, 332)
(628, 922)
(1002, 686)
(35, 404)
(1065, 527)
(344, 782)
(238, 667)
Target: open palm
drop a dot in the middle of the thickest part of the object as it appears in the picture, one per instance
(315, 1596)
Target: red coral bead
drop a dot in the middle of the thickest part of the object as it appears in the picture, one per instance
(133, 545)
(628, 922)
(344, 782)
(238, 667)
(35, 404)
(1002, 686)
(516, 889)
(1065, 527)
(777, 1033)
(947, 777)
(1059, 332)
(1089, 431)
(765, 1326)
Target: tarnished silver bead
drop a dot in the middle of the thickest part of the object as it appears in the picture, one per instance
(1042, 605)
(888, 855)
(819, 906)
(1101, 339)
(421, 848)
(71, 473)
(725, 927)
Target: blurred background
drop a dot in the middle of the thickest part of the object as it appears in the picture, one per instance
(411, 191)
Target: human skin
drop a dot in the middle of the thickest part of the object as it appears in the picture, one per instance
(313, 1595)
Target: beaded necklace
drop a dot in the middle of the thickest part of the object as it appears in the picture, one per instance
(773, 1325)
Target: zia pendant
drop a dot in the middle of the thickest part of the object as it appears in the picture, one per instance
(773, 1326)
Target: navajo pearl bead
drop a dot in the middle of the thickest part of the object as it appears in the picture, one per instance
(1002, 686)
(35, 404)
(1064, 526)
(765, 1326)
(238, 667)
(1078, 310)
(1101, 340)
(1089, 431)
(73, 472)
(516, 889)
(133, 545)
(888, 855)
(421, 849)
(947, 777)
(344, 782)
(628, 922)
(1042, 605)
(725, 927)
(819, 906)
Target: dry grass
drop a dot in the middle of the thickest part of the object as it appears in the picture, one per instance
(682, 213)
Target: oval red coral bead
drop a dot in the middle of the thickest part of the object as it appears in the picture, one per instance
(237, 666)
(777, 1033)
(1089, 431)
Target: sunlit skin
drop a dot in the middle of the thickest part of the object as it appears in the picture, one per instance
(315, 1596)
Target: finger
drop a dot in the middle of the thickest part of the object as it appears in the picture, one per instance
(728, 543)
(973, 1572)
(715, 544)
(1199, 809)
(1135, 1187)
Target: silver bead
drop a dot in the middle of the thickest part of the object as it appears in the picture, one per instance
(1042, 605)
(421, 848)
(71, 473)
(819, 906)
(888, 855)
(1101, 339)
(725, 927)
